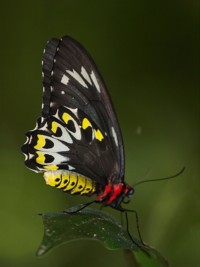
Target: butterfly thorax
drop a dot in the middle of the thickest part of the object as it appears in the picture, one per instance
(114, 194)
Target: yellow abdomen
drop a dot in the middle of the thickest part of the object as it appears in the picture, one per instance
(71, 182)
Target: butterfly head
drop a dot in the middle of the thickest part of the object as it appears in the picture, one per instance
(125, 196)
(129, 191)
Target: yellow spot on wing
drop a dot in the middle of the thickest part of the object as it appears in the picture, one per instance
(66, 117)
(51, 167)
(54, 126)
(40, 142)
(98, 135)
(41, 158)
(86, 123)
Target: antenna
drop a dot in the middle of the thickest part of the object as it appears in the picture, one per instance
(160, 179)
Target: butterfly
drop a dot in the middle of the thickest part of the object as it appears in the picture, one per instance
(77, 142)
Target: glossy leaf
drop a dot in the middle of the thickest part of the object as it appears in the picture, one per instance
(63, 227)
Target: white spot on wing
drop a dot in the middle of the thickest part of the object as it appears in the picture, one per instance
(77, 133)
(56, 115)
(71, 167)
(39, 170)
(36, 127)
(57, 158)
(44, 127)
(64, 79)
(74, 111)
(27, 139)
(30, 156)
(94, 79)
(26, 156)
(30, 139)
(62, 92)
(57, 145)
(85, 75)
(77, 77)
(65, 135)
(114, 136)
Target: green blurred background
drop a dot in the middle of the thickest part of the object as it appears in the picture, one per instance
(147, 52)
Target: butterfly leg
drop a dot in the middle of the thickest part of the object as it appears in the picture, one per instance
(78, 208)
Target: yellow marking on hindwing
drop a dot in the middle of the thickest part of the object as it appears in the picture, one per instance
(66, 117)
(86, 123)
(54, 126)
(98, 135)
(40, 142)
(41, 158)
(51, 167)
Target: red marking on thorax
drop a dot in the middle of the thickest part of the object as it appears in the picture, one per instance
(112, 191)
(107, 190)
(117, 189)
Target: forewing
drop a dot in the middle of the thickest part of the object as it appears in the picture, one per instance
(78, 129)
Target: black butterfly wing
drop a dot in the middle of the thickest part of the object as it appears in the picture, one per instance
(78, 129)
